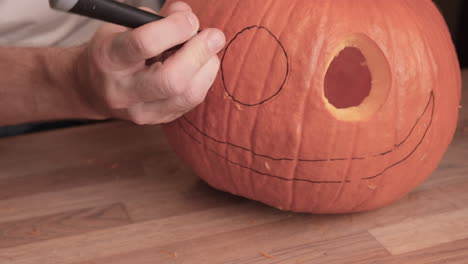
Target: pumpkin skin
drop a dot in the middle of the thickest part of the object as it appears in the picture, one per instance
(268, 129)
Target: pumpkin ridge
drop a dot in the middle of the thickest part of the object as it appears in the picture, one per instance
(249, 168)
(322, 21)
(259, 21)
(228, 130)
(346, 174)
(396, 146)
(432, 99)
(417, 145)
(223, 78)
(224, 24)
(324, 144)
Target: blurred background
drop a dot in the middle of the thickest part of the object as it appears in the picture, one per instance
(456, 14)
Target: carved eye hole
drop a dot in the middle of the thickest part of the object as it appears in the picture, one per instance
(348, 81)
(358, 79)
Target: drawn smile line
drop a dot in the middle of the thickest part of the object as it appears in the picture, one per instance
(431, 100)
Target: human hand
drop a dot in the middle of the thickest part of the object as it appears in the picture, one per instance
(114, 80)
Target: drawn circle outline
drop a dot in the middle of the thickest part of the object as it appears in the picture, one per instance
(223, 78)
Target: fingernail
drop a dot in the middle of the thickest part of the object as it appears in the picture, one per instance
(216, 40)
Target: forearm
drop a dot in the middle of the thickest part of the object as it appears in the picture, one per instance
(40, 84)
(109, 77)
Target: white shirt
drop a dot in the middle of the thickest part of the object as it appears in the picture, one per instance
(33, 23)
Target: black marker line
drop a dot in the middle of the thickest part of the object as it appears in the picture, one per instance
(311, 181)
(431, 100)
(414, 150)
(252, 169)
(224, 56)
(396, 146)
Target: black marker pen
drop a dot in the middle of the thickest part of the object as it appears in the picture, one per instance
(109, 11)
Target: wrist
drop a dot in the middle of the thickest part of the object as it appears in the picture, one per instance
(77, 75)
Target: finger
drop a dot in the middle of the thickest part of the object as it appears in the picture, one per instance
(198, 88)
(147, 9)
(176, 72)
(176, 7)
(164, 111)
(152, 39)
(196, 53)
(107, 32)
(109, 28)
(173, 8)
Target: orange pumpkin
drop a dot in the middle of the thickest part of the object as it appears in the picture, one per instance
(326, 106)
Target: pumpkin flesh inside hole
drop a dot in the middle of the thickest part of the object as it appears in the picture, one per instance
(348, 81)
(357, 79)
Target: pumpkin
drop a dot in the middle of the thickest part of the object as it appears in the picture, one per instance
(329, 106)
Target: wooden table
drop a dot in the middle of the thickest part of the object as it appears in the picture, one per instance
(116, 193)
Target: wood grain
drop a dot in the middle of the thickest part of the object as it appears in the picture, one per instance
(89, 172)
(62, 224)
(116, 193)
(296, 238)
(423, 232)
(295, 230)
(141, 235)
(448, 253)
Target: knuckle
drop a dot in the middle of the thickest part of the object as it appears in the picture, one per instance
(139, 44)
(114, 100)
(197, 98)
(200, 55)
(141, 118)
(181, 6)
(193, 98)
(186, 22)
(211, 43)
(98, 54)
(171, 84)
